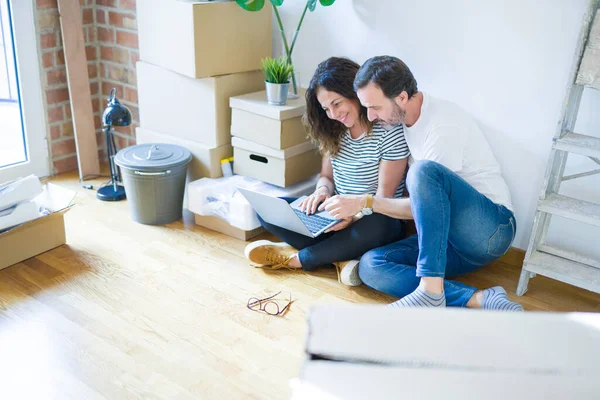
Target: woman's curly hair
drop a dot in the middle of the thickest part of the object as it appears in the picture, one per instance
(334, 75)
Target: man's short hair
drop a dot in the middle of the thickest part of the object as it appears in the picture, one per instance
(389, 73)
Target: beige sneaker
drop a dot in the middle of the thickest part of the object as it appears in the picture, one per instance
(348, 272)
(274, 255)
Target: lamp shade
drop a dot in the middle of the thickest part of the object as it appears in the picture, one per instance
(115, 113)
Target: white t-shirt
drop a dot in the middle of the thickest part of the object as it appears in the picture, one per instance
(446, 134)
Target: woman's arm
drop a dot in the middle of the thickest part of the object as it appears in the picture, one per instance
(325, 188)
(392, 168)
(326, 178)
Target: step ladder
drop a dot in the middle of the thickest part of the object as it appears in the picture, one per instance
(549, 260)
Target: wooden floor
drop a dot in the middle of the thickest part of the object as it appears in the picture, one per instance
(127, 311)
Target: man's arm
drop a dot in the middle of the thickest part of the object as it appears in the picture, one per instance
(443, 145)
(395, 208)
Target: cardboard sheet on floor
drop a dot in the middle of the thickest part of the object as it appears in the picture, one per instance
(357, 352)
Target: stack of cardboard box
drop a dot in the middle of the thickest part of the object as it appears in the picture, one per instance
(194, 56)
(269, 142)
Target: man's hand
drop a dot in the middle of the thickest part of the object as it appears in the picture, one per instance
(343, 224)
(343, 206)
(309, 204)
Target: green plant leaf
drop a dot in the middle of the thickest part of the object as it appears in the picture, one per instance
(276, 70)
(312, 4)
(276, 3)
(251, 5)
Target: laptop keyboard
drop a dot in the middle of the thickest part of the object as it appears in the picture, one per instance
(314, 223)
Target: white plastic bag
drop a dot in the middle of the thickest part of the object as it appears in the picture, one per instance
(220, 197)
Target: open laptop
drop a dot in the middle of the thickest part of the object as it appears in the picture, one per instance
(279, 212)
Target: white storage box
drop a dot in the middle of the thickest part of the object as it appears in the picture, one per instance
(192, 109)
(279, 127)
(206, 161)
(358, 352)
(200, 38)
(278, 167)
(220, 198)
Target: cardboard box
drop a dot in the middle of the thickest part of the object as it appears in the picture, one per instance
(192, 109)
(279, 127)
(45, 233)
(449, 353)
(206, 161)
(217, 224)
(256, 103)
(202, 39)
(278, 167)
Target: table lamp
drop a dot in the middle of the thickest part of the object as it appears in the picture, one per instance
(115, 114)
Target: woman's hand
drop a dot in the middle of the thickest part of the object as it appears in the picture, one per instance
(343, 224)
(343, 206)
(310, 204)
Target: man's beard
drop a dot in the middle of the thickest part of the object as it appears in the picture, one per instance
(398, 117)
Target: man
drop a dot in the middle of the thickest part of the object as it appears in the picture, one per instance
(459, 201)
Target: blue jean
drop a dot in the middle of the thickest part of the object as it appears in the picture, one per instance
(459, 230)
(348, 244)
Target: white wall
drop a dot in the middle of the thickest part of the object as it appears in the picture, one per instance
(506, 62)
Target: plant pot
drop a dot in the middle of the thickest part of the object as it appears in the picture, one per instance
(277, 93)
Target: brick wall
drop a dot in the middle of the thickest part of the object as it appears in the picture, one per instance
(116, 26)
(110, 34)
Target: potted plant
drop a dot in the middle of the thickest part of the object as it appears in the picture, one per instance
(257, 5)
(277, 78)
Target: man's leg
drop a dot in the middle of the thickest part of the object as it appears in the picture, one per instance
(392, 269)
(451, 215)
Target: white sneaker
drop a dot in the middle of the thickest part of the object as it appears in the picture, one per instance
(348, 272)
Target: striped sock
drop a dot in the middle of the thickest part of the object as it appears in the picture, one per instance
(421, 298)
(496, 299)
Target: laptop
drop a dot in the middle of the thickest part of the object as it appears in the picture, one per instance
(279, 212)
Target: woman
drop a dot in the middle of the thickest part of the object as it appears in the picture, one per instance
(358, 158)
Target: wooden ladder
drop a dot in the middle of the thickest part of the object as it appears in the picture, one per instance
(551, 261)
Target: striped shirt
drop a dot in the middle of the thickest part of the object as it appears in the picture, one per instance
(356, 166)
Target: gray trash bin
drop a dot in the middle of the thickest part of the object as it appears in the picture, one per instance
(154, 177)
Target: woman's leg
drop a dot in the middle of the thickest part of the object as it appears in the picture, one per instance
(294, 239)
(350, 243)
(267, 253)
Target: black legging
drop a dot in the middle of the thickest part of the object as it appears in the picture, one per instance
(348, 244)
